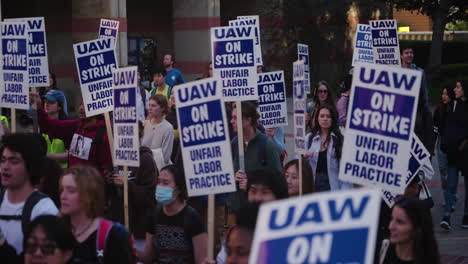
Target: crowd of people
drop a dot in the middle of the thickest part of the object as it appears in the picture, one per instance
(61, 199)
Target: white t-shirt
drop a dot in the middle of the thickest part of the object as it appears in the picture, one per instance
(12, 229)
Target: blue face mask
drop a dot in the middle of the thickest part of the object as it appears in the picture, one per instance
(164, 195)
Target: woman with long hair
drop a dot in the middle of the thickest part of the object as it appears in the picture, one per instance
(322, 95)
(439, 117)
(175, 230)
(82, 205)
(455, 144)
(158, 132)
(323, 149)
(412, 237)
(291, 174)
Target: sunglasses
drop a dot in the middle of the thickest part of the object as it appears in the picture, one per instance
(322, 91)
(47, 248)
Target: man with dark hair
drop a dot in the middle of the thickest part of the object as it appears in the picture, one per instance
(174, 76)
(159, 83)
(407, 57)
(259, 152)
(424, 123)
(265, 185)
(20, 203)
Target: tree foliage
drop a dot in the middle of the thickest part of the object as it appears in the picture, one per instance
(458, 9)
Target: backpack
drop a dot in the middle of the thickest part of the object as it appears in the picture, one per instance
(25, 216)
(101, 238)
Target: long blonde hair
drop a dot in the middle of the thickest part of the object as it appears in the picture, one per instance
(91, 189)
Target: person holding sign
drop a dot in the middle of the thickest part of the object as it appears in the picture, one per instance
(175, 229)
(260, 152)
(86, 137)
(54, 102)
(412, 237)
(158, 132)
(324, 144)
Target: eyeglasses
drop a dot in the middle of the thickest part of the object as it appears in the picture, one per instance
(323, 91)
(47, 248)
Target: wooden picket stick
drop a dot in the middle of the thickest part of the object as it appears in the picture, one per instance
(240, 136)
(125, 191)
(300, 174)
(211, 233)
(109, 135)
(13, 120)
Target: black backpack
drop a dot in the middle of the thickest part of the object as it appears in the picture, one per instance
(25, 217)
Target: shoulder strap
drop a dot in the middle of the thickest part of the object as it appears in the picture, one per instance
(32, 200)
(262, 149)
(7, 217)
(102, 233)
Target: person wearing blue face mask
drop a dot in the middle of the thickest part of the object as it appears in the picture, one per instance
(175, 232)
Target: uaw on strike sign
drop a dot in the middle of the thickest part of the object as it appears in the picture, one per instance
(14, 79)
(126, 137)
(95, 60)
(206, 149)
(338, 227)
(38, 65)
(233, 56)
(379, 126)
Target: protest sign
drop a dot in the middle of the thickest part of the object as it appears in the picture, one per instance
(15, 80)
(378, 130)
(109, 28)
(255, 22)
(385, 42)
(206, 149)
(338, 227)
(363, 45)
(38, 65)
(233, 62)
(299, 106)
(272, 99)
(419, 156)
(126, 137)
(303, 54)
(95, 60)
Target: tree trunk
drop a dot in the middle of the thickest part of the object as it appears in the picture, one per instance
(439, 19)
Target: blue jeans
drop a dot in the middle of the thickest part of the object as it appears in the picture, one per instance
(443, 163)
(451, 189)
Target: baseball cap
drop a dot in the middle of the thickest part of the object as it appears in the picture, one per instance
(56, 95)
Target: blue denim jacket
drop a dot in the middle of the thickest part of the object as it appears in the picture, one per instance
(333, 165)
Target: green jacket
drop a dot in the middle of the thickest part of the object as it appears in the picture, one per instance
(260, 152)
